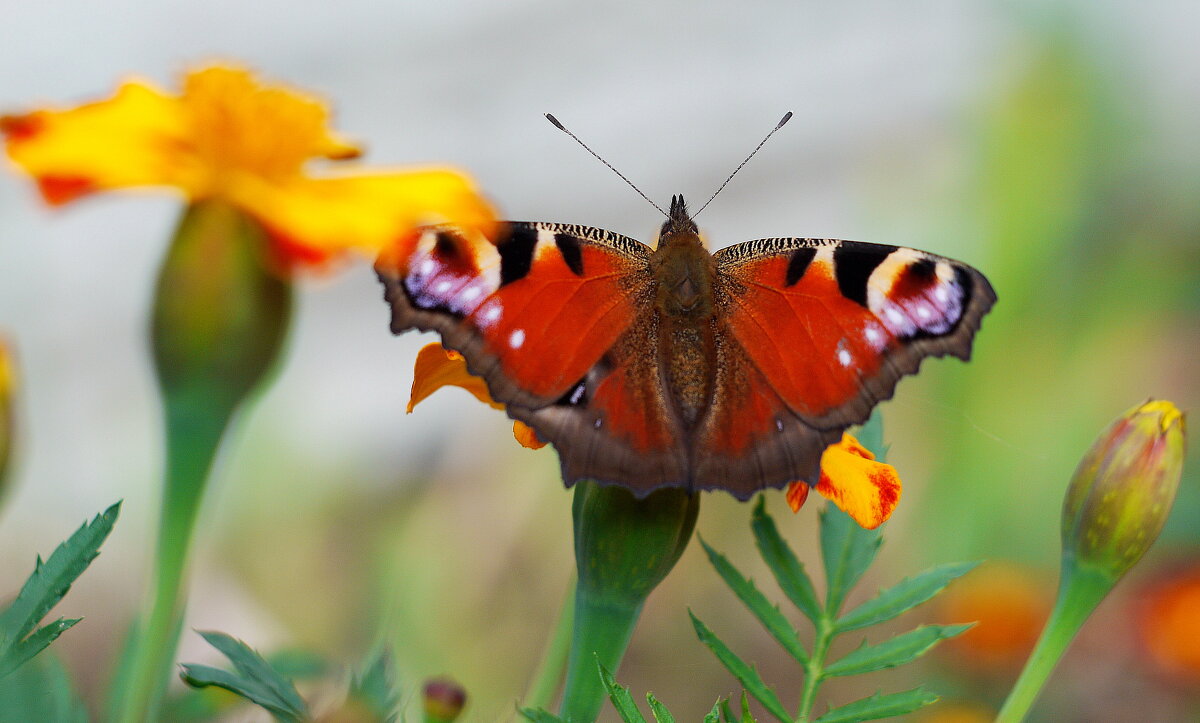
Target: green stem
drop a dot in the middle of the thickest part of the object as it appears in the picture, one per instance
(193, 434)
(549, 674)
(814, 670)
(602, 632)
(1081, 590)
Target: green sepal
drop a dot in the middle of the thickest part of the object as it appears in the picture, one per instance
(714, 715)
(661, 714)
(897, 651)
(44, 588)
(767, 613)
(847, 550)
(621, 699)
(788, 571)
(879, 706)
(904, 596)
(255, 680)
(747, 716)
(746, 674)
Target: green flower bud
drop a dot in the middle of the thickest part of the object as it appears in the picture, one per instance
(444, 700)
(624, 547)
(1124, 488)
(7, 385)
(220, 315)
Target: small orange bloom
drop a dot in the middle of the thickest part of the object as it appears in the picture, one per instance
(439, 367)
(851, 478)
(1168, 624)
(227, 135)
(1011, 605)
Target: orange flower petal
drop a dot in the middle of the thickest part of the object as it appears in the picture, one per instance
(851, 479)
(138, 137)
(527, 436)
(797, 494)
(438, 367)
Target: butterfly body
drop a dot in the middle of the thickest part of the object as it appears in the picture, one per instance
(676, 366)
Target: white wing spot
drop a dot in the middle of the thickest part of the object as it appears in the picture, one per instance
(779, 424)
(493, 312)
(471, 292)
(442, 287)
(427, 267)
(596, 424)
(516, 339)
(844, 357)
(895, 316)
(872, 335)
(941, 294)
(924, 312)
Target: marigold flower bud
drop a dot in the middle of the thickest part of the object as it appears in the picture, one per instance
(1124, 488)
(444, 700)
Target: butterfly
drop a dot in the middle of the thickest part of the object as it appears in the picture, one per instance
(673, 366)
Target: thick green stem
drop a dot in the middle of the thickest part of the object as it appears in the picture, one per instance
(1081, 590)
(549, 674)
(193, 434)
(602, 633)
(814, 670)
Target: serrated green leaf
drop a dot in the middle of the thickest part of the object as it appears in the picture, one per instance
(767, 613)
(897, 651)
(40, 691)
(879, 706)
(620, 697)
(788, 571)
(50, 581)
(847, 550)
(746, 675)
(538, 715)
(255, 680)
(900, 598)
(19, 654)
(375, 687)
(661, 714)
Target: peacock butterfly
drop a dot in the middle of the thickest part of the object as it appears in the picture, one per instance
(678, 367)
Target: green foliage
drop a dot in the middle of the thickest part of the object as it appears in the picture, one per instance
(375, 687)
(40, 691)
(622, 700)
(254, 679)
(847, 551)
(48, 583)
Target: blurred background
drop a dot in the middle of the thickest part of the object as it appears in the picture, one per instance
(1052, 145)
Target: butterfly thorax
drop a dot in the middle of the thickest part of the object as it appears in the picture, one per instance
(684, 272)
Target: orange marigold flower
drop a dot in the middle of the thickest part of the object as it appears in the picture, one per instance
(1168, 624)
(1010, 604)
(226, 135)
(851, 479)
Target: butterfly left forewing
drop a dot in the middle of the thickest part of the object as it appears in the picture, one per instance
(829, 328)
(555, 318)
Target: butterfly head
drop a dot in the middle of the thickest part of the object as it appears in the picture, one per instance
(679, 221)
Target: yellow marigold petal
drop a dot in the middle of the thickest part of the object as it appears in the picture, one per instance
(863, 488)
(438, 367)
(135, 138)
(527, 436)
(239, 125)
(315, 218)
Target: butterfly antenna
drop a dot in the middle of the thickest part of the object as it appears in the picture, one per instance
(563, 128)
(787, 117)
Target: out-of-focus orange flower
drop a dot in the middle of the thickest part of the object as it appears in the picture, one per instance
(851, 478)
(228, 136)
(1010, 603)
(1168, 624)
(956, 713)
(439, 367)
